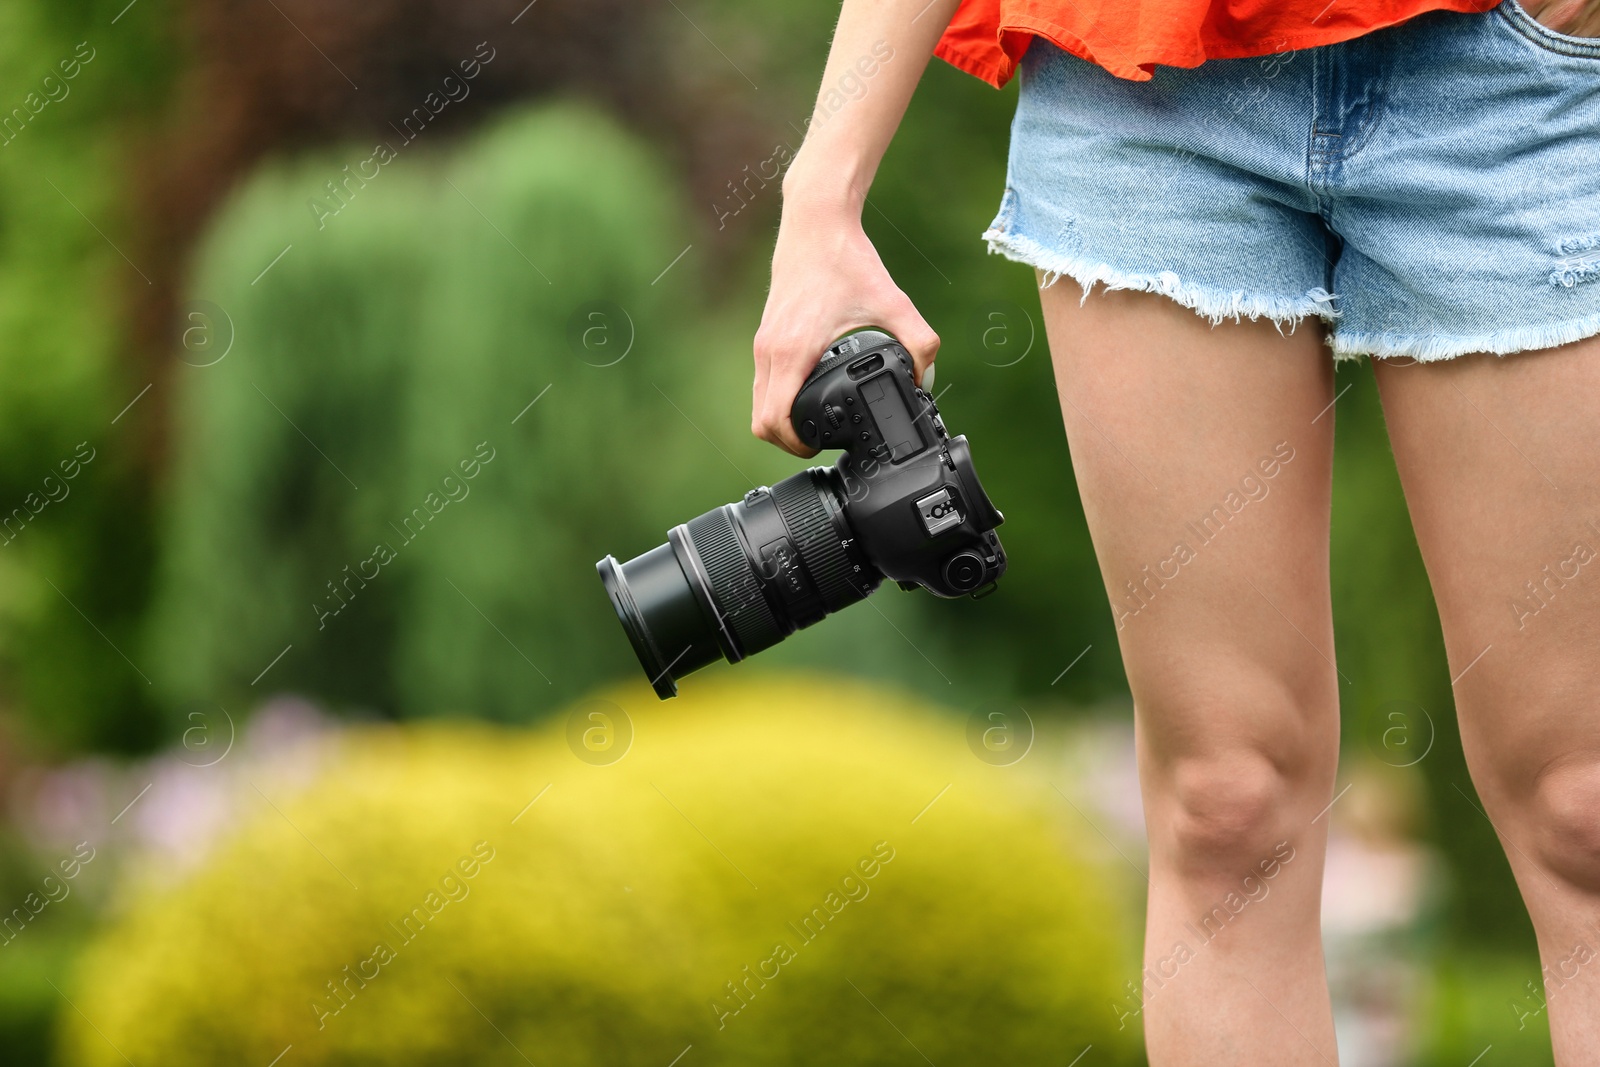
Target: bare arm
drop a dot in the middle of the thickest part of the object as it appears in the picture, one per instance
(827, 278)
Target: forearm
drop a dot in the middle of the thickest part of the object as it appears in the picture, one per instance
(827, 278)
(880, 49)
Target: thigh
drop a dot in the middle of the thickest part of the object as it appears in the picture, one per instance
(1203, 457)
(1500, 460)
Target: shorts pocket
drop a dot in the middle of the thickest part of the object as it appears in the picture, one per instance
(1550, 40)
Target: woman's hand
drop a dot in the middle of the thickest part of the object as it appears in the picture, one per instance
(1576, 18)
(827, 280)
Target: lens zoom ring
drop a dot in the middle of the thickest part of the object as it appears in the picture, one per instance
(817, 541)
(734, 585)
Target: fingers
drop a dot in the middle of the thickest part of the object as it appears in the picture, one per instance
(781, 367)
(782, 386)
(782, 364)
(916, 335)
(758, 388)
(792, 339)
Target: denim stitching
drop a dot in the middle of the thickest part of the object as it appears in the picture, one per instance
(1379, 85)
(1542, 36)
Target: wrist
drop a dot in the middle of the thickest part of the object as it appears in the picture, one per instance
(824, 186)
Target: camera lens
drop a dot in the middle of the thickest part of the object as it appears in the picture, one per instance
(740, 578)
(656, 605)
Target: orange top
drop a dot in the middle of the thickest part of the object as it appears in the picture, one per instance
(1129, 38)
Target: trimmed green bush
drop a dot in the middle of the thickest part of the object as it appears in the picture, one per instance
(778, 838)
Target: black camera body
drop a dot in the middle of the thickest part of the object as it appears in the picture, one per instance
(903, 502)
(913, 496)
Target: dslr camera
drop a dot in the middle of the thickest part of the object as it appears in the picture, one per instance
(903, 502)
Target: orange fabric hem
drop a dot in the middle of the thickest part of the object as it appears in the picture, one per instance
(980, 61)
(977, 65)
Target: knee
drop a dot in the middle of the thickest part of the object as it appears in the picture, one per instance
(1236, 763)
(1565, 821)
(1231, 810)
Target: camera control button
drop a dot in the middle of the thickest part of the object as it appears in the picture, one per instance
(808, 430)
(964, 571)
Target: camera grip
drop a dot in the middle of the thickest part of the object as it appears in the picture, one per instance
(862, 397)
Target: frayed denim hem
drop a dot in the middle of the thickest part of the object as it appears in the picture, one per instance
(1214, 305)
(1431, 348)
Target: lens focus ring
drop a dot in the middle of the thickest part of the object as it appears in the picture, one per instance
(733, 582)
(800, 503)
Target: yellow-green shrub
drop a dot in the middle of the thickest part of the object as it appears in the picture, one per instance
(615, 908)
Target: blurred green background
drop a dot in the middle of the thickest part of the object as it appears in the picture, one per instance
(276, 349)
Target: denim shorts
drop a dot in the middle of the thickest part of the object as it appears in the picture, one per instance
(1427, 190)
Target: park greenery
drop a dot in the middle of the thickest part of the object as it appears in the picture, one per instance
(276, 498)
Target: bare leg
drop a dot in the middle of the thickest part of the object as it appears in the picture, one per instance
(1204, 460)
(1500, 459)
